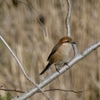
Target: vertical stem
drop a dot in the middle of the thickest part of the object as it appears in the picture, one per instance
(68, 19)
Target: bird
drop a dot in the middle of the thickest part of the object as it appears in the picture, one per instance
(61, 54)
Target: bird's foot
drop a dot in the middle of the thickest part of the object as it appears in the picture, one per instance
(66, 63)
(57, 69)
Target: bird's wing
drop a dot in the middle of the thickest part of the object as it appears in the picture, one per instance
(53, 51)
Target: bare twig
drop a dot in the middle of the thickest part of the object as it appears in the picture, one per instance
(20, 65)
(68, 26)
(14, 90)
(68, 19)
(29, 5)
(63, 90)
(61, 71)
(75, 49)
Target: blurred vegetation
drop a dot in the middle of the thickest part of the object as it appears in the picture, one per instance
(22, 31)
(7, 97)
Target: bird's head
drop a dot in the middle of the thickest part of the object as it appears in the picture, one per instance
(66, 39)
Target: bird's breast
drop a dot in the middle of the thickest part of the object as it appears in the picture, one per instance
(63, 54)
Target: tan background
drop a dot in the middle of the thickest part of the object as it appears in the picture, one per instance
(22, 31)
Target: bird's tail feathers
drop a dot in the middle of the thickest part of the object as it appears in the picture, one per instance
(46, 68)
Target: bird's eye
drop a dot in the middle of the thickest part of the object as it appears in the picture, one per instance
(67, 41)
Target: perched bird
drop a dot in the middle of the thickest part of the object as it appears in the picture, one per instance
(61, 53)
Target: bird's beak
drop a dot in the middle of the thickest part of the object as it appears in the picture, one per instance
(73, 42)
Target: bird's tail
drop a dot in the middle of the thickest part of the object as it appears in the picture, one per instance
(46, 68)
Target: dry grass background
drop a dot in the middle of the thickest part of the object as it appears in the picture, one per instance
(23, 33)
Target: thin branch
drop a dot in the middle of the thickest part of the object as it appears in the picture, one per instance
(29, 5)
(68, 27)
(61, 71)
(20, 65)
(75, 49)
(14, 90)
(62, 90)
(68, 19)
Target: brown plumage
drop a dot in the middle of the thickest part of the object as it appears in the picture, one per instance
(61, 53)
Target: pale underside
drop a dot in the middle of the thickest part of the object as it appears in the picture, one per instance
(63, 55)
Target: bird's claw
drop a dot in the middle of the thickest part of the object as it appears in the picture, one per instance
(57, 69)
(66, 63)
